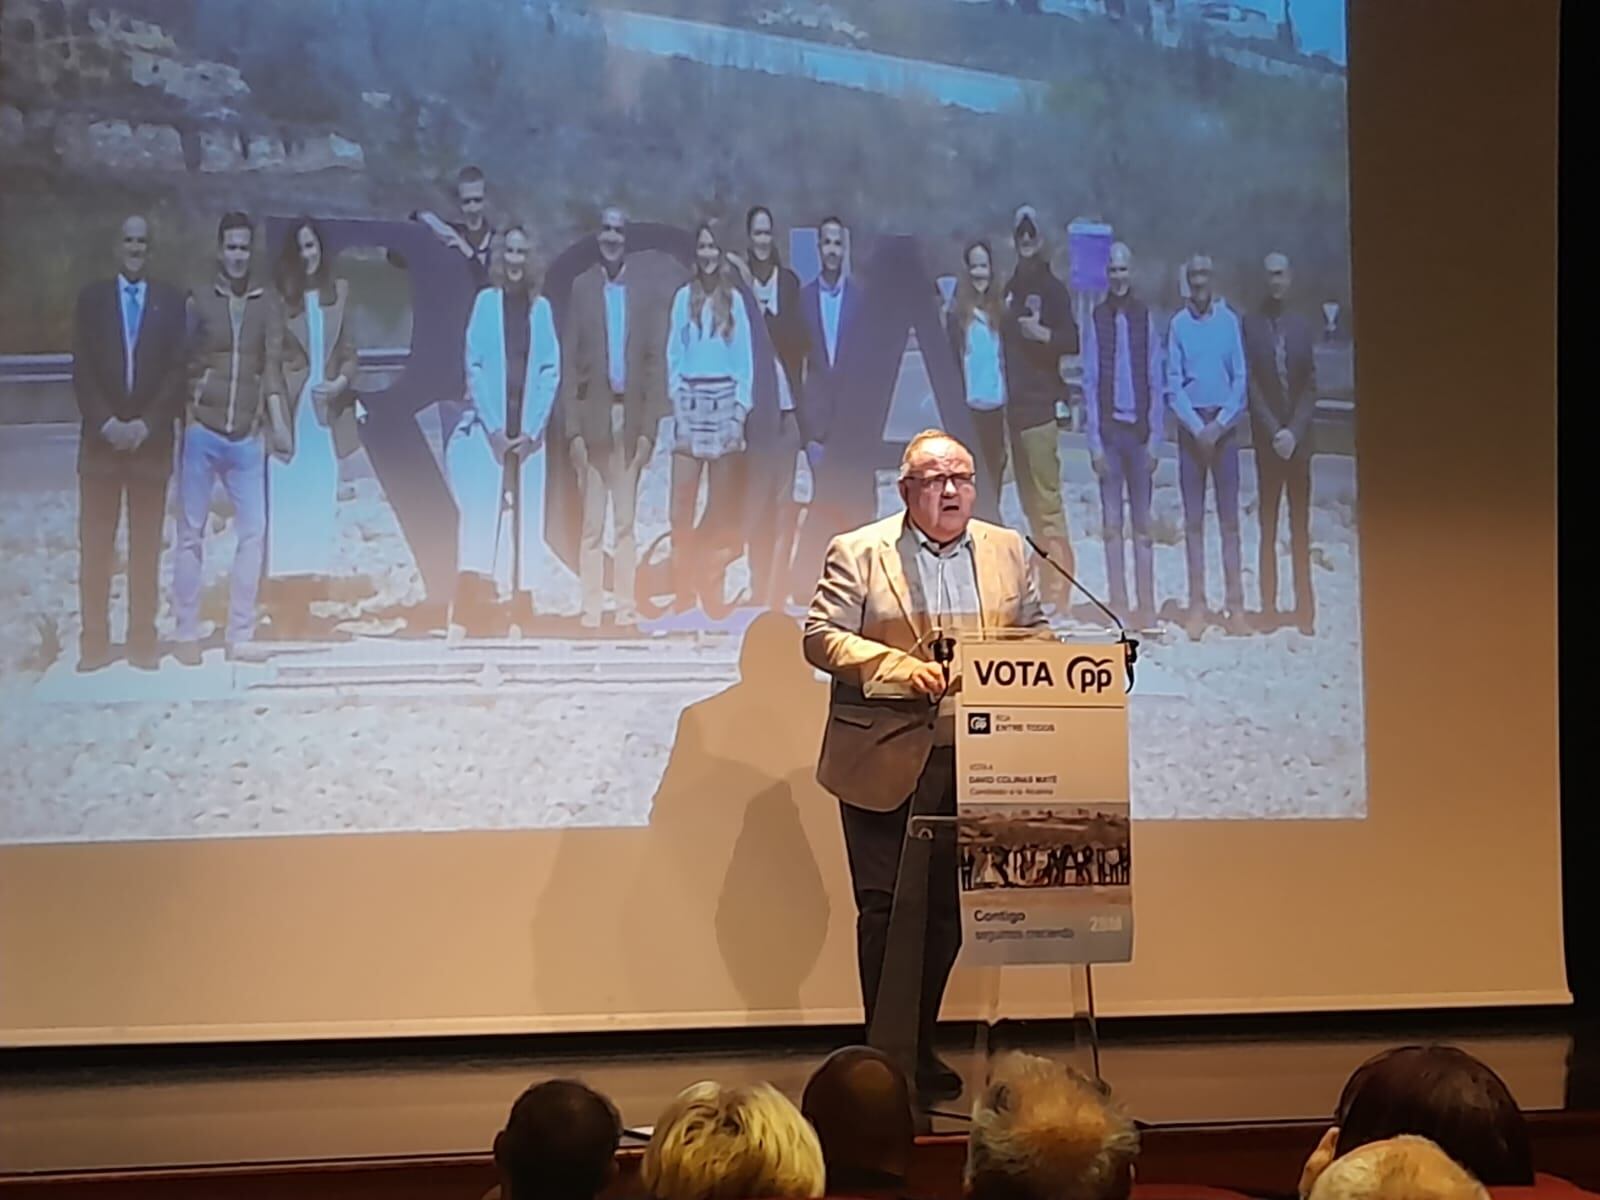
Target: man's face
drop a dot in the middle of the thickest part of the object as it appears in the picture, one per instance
(1279, 277)
(235, 253)
(133, 248)
(1027, 240)
(470, 196)
(1200, 284)
(761, 236)
(613, 235)
(831, 247)
(1119, 272)
(515, 254)
(938, 489)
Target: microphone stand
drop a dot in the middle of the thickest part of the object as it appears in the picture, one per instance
(1129, 643)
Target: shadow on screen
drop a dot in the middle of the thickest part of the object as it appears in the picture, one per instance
(726, 796)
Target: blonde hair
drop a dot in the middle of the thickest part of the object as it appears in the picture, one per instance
(1042, 1129)
(1401, 1168)
(717, 1143)
(916, 445)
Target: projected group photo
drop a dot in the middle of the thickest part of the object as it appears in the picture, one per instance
(406, 410)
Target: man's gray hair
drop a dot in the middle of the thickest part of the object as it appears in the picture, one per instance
(918, 443)
(1400, 1168)
(1041, 1129)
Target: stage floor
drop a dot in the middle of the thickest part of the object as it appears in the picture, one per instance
(181, 1106)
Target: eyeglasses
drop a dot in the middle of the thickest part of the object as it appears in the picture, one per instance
(961, 479)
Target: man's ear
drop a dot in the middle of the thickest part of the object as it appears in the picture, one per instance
(1319, 1160)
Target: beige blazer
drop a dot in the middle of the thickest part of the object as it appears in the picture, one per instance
(867, 627)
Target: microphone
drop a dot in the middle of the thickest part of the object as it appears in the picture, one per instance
(1129, 643)
(944, 653)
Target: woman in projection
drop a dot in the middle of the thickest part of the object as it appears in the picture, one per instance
(495, 458)
(974, 322)
(709, 376)
(311, 426)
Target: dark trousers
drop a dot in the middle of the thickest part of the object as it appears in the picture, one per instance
(696, 544)
(100, 500)
(1127, 470)
(1221, 466)
(1275, 476)
(873, 841)
(990, 427)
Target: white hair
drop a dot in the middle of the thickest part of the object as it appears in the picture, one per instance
(1042, 1129)
(917, 444)
(1400, 1168)
(717, 1143)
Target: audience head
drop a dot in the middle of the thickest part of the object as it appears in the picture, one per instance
(1440, 1093)
(1042, 1131)
(1401, 1168)
(859, 1102)
(717, 1143)
(559, 1143)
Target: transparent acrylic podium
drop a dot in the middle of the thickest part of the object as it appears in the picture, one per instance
(1072, 691)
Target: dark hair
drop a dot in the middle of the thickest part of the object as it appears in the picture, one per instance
(1443, 1094)
(290, 275)
(755, 211)
(234, 220)
(831, 220)
(559, 1142)
(859, 1102)
(469, 174)
(967, 299)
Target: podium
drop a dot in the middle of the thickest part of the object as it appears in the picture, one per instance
(1044, 847)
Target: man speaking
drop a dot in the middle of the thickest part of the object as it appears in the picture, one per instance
(890, 595)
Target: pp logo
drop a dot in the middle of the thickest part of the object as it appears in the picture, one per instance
(978, 723)
(1089, 675)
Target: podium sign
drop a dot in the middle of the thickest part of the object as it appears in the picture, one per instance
(1044, 840)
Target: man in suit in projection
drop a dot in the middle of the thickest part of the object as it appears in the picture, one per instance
(890, 593)
(127, 373)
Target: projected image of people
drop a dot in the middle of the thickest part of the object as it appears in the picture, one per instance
(400, 430)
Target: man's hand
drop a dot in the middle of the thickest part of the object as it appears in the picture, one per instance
(115, 433)
(1210, 434)
(1153, 452)
(928, 679)
(138, 433)
(1032, 328)
(814, 452)
(1097, 460)
(499, 445)
(328, 390)
(579, 453)
(525, 444)
(1283, 443)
